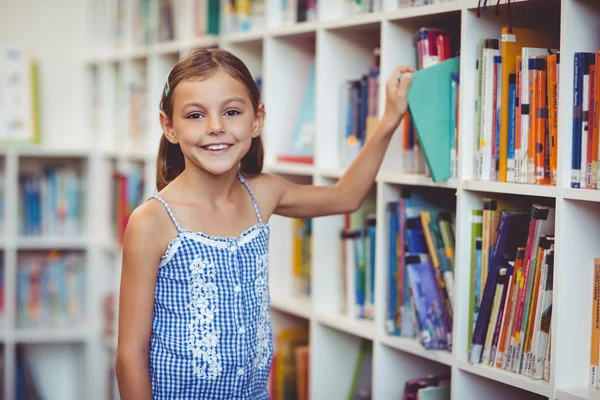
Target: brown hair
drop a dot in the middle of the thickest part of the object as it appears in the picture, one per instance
(199, 64)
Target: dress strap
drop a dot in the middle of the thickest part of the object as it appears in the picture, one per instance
(157, 197)
(243, 180)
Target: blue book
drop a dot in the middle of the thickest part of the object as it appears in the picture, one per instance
(498, 62)
(580, 69)
(392, 216)
(428, 303)
(512, 124)
(415, 238)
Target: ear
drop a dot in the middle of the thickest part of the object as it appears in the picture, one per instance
(259, 120)
(167, 127)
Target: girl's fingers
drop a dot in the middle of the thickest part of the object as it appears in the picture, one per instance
(395, 75)
(404, 84)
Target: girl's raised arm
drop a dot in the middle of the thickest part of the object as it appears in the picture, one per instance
(141, 257)
(346, 196)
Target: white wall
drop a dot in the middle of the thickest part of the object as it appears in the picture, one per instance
(54, 33)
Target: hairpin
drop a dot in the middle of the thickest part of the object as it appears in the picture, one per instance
(167, 88)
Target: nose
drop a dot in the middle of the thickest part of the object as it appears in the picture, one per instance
(215, 125)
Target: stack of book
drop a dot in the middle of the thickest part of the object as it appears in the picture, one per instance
(421, 269)
(358, 263)
(517, 101)
(512, 265)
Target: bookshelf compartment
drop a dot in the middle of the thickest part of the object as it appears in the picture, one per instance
(52, 196)
(333, 377)
(348, 92)
(289, 97)
(291, 256)
(393, 369)
(51, 289)
(497, 154)
(494, 316)
(289, 373)
(36, 371)
(581, 18)
(341, 287)
(579, 250)
(400, 47)
(426, 211)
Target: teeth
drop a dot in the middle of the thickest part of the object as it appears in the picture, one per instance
(217, 147)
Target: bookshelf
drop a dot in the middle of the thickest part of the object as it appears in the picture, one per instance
(280, 54)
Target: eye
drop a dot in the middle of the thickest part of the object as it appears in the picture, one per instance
(194, 115)
(231, 113)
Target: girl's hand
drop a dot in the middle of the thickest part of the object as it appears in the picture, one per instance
(396, 95)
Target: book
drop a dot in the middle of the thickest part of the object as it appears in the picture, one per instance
(430, 107)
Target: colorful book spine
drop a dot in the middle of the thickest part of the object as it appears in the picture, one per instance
(595, 342)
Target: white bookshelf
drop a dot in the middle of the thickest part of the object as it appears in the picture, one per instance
(279, 54)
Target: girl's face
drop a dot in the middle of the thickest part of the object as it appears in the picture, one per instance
(213, 122)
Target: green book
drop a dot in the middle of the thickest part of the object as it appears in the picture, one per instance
(430, 107)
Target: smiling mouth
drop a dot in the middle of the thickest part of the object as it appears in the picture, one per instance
(216, 147)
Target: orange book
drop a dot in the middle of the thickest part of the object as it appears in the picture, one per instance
(540, 119)
(590, 182)
(510, 311)
(302, 371)
(511, 45)
(552, 114)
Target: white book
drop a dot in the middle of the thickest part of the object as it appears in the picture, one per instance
(522, 152)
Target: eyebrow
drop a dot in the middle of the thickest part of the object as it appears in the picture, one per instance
(229, 100)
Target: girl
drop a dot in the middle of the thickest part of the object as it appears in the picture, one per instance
(194, 305)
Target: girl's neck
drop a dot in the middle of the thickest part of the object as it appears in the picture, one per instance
(213, 188)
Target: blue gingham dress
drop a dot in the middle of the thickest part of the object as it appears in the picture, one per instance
(211, 329)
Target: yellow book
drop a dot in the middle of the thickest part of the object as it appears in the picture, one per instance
(288, 341)
(533, 310)
(510, 48)
(298, 225)
(595, 326)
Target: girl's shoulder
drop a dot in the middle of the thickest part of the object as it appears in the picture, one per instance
(150, 223)
(266, 188)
